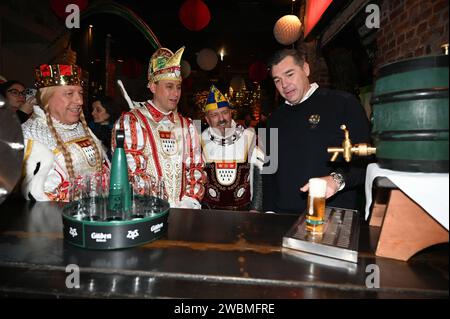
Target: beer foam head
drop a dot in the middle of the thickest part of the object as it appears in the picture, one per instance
(317, 187)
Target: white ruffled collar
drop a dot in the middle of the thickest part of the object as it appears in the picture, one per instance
(228, 131)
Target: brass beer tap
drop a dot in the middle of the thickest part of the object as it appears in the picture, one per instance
(347, 149)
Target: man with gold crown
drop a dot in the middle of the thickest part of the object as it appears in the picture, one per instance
(159, 142)
(233, 159)
(60, 148)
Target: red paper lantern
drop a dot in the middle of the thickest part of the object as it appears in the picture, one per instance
(257, 71)
(194, 15)
(59, 6)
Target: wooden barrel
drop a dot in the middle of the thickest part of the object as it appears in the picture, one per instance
(410, 115)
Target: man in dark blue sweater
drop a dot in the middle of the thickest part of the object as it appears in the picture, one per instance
(307, 123)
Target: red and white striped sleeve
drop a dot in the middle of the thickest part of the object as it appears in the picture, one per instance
(194, 165)
(134, 145)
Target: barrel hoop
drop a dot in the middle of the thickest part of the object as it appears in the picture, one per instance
(424, 166)
(409, 95)
(413, 65)
(419, 135)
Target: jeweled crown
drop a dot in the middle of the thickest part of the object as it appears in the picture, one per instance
(57, 74)
(165, 65)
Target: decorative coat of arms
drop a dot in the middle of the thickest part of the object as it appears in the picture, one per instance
(88, 151)
(168, 142)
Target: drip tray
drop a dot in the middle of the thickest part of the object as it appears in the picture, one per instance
(339, 239)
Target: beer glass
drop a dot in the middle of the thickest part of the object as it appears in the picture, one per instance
(315, 211)
(157, 193)
(138, 189)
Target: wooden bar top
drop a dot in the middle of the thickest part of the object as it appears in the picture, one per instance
(204, 254)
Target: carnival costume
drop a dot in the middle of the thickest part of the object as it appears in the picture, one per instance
(233, 163)
(165, 146)
(46, 175)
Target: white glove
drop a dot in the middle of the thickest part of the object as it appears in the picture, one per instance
(188, 202)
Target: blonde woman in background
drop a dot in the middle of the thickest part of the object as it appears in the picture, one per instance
(59, 145)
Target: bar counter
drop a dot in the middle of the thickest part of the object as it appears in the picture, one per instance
(204, 254)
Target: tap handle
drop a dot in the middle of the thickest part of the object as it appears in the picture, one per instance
(346, 132)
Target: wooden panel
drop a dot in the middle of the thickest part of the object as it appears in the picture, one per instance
(407, 229)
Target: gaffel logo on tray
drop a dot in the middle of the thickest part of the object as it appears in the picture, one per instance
(101, 237)
(132, 234)
(73, 232)
(156, 228)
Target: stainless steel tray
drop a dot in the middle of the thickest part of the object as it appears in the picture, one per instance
(339, 240)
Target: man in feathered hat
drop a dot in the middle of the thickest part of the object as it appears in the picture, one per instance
(233, 159)
(161, 144)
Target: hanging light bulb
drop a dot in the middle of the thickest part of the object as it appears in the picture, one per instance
(222, 54)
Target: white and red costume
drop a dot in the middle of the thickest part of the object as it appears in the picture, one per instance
(232, 162)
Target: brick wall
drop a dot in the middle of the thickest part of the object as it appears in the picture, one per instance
(318, 66)
(411, 28)
(408, 28)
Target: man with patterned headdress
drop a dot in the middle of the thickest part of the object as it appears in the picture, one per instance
(60, 148)
(159, 142)
(233, 159)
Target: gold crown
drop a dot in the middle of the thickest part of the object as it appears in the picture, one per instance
(165, 65)
(57, 75)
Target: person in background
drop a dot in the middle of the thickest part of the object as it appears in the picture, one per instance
(105, 112)
(15, 94)
(308, 123)
(262, 123)
(159, 142)
(59, 146)
(233, 159)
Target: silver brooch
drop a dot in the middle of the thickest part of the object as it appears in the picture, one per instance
(314, 120)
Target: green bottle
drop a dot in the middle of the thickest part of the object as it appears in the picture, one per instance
(119, 185)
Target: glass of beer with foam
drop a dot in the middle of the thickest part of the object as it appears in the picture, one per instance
(315, 211)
